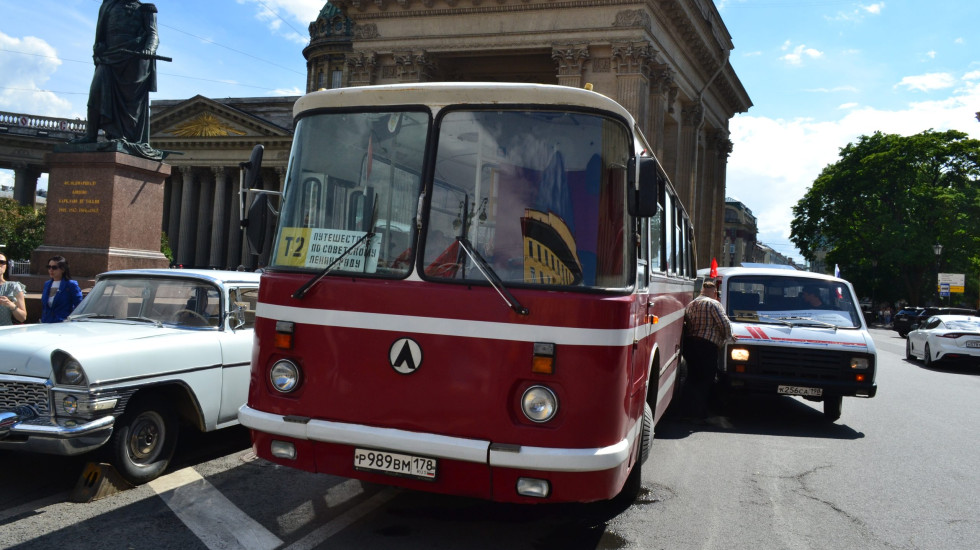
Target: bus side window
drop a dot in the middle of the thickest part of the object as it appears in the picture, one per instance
(656, 240)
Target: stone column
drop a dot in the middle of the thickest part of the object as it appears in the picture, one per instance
(25, 182)
(233, 256)
(361, 68)
(661, 85)
(692, 116)
(723, 146)
(202, 246)
(184, 255)
(631, 61)
(219, 218)
(414, 66)
(173, 220)
(571, 63)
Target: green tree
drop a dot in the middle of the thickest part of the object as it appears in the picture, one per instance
(21, 229)
(879, 210)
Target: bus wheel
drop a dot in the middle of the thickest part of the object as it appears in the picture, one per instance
(832, 407)
(646, 433)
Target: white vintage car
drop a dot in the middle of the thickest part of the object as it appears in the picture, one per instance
(796, 333)
(145, 351)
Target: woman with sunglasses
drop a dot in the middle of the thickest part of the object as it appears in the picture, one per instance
(61, 294)
(12, 306)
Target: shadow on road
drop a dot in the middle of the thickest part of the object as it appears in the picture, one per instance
(762, 415)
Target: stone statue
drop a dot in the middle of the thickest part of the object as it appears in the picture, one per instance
(125, 57)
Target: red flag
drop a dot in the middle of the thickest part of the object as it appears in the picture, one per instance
(714, 268)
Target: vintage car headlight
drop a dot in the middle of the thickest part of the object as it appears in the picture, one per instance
(67, 370)
(284, 376)
(859, 362)
(70, 403)
(539, 404)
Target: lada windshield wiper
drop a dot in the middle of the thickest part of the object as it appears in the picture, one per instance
(808, 321)
(779, 320)
(491, 276)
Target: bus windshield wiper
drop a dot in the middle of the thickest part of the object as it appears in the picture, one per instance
(301, 291)
(491, 276)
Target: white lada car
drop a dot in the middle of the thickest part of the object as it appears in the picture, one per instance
(797, 333)
(145, 351)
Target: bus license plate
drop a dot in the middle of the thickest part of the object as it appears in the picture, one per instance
(800, 390)
(417, 467)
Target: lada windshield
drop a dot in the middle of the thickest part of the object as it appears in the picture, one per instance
(791, 301)
(539, 194)
(166, 301)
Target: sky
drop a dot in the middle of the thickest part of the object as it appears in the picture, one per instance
(819, 73)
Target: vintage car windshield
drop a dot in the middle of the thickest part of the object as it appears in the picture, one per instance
(791, 301)
(184, 303)
(539, 194)
(346, 170)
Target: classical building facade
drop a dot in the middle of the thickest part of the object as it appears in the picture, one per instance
(666, 61)
(739, 243)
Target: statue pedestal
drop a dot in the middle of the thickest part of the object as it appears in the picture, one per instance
(104, 212)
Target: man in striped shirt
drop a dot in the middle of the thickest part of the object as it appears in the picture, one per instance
(706, 331)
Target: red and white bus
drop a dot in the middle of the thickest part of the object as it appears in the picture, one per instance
(475, 289)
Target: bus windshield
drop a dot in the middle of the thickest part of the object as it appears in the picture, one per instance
(539, 194)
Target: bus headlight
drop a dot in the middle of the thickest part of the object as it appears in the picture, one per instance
(539, 404)
(284, 376)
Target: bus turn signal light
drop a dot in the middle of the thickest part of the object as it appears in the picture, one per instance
(283, 338)
(543, 360)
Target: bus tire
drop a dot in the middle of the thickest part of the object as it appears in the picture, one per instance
(646, 434)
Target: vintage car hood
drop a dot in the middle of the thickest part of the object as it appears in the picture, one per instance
(25, 350)
(803, 336)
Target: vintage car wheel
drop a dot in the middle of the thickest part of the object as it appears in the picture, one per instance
(832, 405)
(143, 441)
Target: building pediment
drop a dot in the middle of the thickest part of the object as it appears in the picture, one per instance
(201, 117)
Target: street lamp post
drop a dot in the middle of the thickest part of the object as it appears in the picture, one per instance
(938, 249)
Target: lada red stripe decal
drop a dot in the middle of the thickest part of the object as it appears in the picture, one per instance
(758, 334)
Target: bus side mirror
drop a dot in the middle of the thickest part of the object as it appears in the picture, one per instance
(256, 222)
(642, 200)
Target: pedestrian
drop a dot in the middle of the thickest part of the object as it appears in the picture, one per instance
(706, 331)
(61, 294)
(12, 306)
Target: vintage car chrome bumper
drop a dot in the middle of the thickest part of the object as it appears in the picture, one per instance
(24, 430)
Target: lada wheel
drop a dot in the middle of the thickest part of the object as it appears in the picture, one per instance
(832, 405)
(143, 441)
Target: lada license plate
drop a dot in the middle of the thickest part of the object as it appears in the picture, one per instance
(799, 390)
(397, 464)
(973, 343)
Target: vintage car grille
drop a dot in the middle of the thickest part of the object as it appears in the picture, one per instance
(15, 394)
(800, 363)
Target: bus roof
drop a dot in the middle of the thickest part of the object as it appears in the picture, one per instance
(440, 94)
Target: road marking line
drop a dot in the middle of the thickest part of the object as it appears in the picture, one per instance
(344, 520)
(214, 519)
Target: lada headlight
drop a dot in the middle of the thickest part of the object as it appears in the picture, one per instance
(739, 354)
(859, 363)
(284, 376)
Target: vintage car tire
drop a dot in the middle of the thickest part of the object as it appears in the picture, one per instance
(832, 405)
(143, 441)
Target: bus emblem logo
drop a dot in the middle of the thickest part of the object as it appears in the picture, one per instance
(405, 356)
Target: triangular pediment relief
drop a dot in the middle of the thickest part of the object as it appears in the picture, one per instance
(201, 117)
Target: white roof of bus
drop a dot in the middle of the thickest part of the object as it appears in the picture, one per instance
(450, 93)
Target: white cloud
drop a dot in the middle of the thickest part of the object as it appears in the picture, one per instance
(287, 18)
(874, 9)
(775, 161)
(928, 82)
(27, 65)
(796, 55)
(846, 106)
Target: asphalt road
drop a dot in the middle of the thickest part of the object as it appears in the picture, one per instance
(899, 471)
